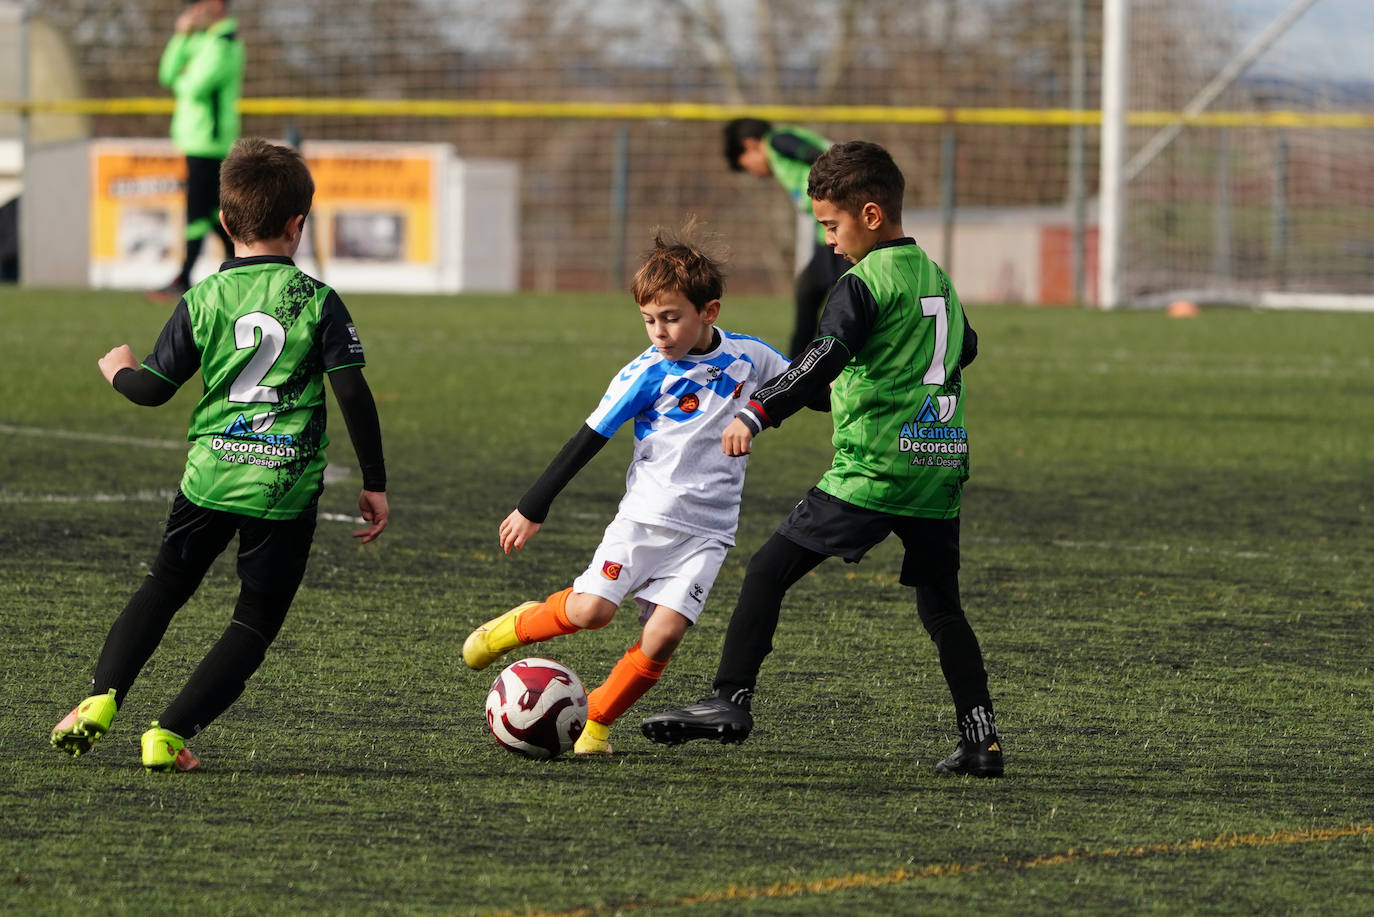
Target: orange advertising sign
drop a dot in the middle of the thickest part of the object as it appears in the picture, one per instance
(374, 203)
(138, 199)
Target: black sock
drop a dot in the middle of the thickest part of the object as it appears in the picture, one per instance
(135, 634)
(977, 726)
(217, 682)
(224, 672)
(961, 658)
(772, 570)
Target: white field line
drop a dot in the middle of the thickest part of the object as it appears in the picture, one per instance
(137, 496)
(84, 436)
(332, 473)
(1123, 360)
(1071, 545)
(154, 496)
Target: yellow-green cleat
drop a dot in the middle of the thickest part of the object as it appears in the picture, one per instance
(493, 639)
(593, 740)
(88, 721)
(164, 750)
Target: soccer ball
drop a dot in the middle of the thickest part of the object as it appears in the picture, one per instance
(537, 708)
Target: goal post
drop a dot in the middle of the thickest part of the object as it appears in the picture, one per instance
(1232, 169)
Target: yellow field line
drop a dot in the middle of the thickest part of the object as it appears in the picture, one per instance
(941, 870)
(694, 111)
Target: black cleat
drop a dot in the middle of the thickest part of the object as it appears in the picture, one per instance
(709, 718)
(977, 759)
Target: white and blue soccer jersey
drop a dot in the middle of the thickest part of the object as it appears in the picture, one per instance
(679, 477)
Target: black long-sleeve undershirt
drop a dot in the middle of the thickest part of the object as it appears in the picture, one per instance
(143, 387)
(849, 317)
(575, 454)
(359, 410)
(794, 147)
(356, 404)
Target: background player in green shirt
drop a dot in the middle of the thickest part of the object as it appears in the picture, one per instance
(203, 66)
(263, 336)
(893, 341)
(786, 153)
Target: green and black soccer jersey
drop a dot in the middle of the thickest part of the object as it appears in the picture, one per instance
(894, 339)
(204, 70)
(262, 334)
(900, 442)
(791, 152)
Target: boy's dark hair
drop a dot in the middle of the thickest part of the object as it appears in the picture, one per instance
(738, 131)
(677, 265)
(849, 175)
(261, 186)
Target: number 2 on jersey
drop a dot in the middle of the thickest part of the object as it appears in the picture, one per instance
(263, 332)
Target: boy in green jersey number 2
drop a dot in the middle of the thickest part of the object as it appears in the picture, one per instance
(263, 336)
(893, 340)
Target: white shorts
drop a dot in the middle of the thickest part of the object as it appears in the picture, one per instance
(667, 568)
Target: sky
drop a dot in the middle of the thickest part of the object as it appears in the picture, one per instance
(1334, 39)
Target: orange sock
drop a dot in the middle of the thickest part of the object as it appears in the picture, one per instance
(634, 674)
(546, 621)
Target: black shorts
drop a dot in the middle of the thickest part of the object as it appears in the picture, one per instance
(831, 526)
(272, 552)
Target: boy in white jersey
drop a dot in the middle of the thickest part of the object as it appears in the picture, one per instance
(890, 351)
(681, 505)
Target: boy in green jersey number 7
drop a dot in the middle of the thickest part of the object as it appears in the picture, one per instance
(263, 336)
(893, 340)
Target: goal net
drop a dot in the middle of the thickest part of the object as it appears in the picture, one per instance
(1247, 168)
(1264, 194)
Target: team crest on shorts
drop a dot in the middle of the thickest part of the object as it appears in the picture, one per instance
(688, 403)
(611, 570)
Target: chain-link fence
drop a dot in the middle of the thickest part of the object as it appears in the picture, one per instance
(592, 186)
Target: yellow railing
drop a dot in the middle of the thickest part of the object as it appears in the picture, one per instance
(693, 111)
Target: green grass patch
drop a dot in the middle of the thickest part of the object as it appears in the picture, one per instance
(1167, 550)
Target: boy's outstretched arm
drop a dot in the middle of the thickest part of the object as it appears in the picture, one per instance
(141, 386)
(805, 383)
(375, 511)
(525, 521)
(516, 530)
(121, 357)
(365, 430)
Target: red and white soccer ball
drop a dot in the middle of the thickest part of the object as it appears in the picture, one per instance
(537, 708)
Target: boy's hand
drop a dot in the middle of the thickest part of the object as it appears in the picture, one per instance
(736, 438)
(119, 358)
(372, 504)
(189, 20)
(516, 530)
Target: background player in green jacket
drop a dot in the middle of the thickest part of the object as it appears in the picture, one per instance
(203, 66)
(263, 336)
(786, 153)
(894, 341)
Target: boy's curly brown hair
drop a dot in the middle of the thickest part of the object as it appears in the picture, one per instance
(679, 263)
(851, 174)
